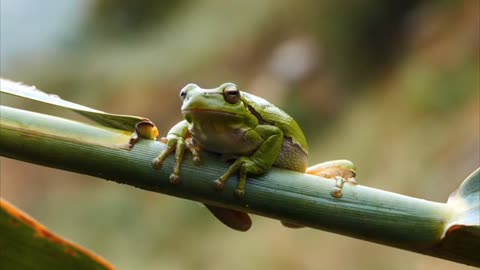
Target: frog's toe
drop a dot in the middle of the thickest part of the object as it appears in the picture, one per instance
(197, 160)
(218, 185)
(157, 163)
(174, 178)
(336, 192)
(240, 193)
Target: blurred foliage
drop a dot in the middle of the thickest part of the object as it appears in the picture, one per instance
(393, 86)
(27, 244)
(113, 18)
(364, 37)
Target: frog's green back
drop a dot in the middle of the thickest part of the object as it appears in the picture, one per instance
(274, 115)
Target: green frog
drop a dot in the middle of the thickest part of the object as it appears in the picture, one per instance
(255, 132)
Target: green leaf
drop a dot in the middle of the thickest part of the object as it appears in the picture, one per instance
(118, 121)
(463, 225)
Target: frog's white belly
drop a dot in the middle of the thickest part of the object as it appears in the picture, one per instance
(225, 140)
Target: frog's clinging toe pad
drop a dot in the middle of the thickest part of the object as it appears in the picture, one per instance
(240, 193)
(197, 160)
(174, 179)
(339, 183)
(336, 192)
(156, 163)
(218, 185)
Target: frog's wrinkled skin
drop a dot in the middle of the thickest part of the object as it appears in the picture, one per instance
(259, 135)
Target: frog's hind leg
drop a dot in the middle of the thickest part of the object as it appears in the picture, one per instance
(342, 171)
(259, 162)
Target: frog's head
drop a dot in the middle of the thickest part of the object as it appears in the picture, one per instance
(222, 103)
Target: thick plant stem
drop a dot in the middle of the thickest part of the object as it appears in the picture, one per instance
(365, 213)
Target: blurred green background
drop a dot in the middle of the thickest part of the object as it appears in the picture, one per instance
(391, 85)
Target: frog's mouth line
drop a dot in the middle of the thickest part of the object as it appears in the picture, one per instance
(207, 111)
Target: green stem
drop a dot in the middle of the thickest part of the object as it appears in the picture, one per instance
(365, 213)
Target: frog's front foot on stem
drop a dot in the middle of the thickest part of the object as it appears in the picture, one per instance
(171, 144)
(218, 185)
(157, 163)
(240, 193)
(174, 178)
(179, 145)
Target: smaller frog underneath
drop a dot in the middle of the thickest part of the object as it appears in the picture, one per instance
(237, 124)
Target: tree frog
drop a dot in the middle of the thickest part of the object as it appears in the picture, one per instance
(258, 134)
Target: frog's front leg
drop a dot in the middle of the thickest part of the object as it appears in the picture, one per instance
(341, 171)
(260, 162)
(176, 140)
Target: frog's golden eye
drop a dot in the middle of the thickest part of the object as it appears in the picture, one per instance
(231, 94)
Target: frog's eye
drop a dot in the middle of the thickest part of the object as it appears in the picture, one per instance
(231, 94)
(188, 87)
(183, 94)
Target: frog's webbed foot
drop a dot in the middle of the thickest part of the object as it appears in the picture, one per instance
(179, 144)
(245, 165)
(342, 171)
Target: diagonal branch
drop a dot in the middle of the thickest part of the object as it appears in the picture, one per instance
(365, 213)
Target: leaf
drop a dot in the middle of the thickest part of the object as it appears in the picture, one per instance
(466, 201)
(464, 222)
(117, 121)
(27, 244)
